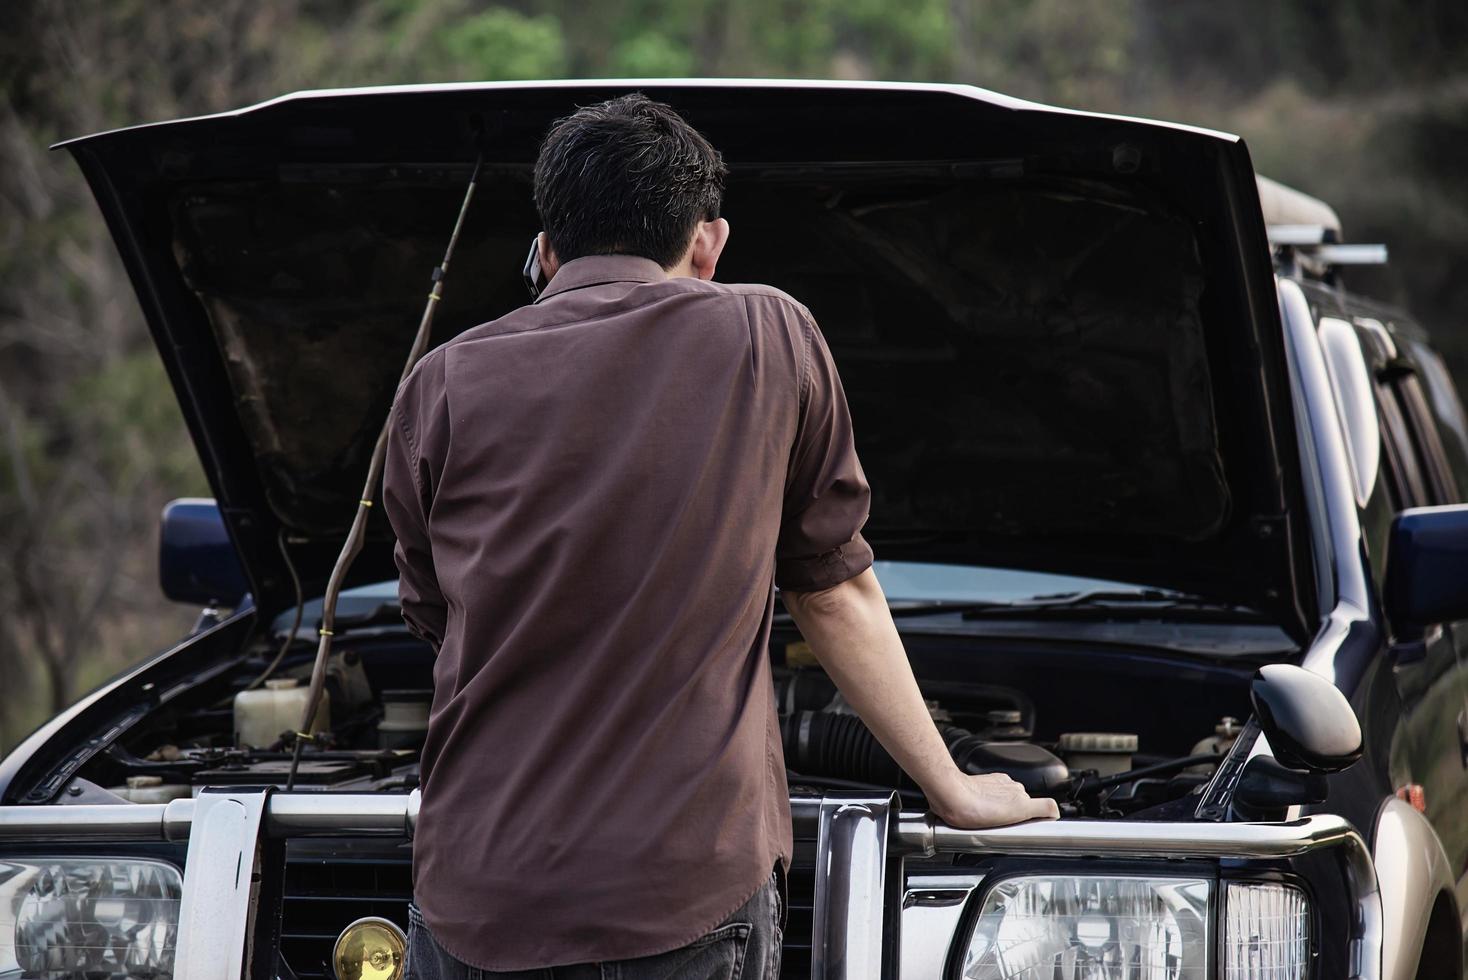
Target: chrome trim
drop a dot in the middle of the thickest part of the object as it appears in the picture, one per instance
(410, 818)
(932, 910)
(920, 834)
(850, 896)
(927, 881)
(220, 884)
(1366, 939)
(924, 835)
(286, 815)
(85, 822)
(342, 814)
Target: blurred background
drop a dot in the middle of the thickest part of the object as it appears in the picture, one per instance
(1361, 102)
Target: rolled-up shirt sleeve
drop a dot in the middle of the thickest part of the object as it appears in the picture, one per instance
(826, 493)
(406, 483)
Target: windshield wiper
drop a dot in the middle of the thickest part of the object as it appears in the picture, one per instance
(917, 607)
(1104, 604)
(1094, 605)
(938, 607)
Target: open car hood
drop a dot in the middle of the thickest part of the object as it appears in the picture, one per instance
(1058, 330)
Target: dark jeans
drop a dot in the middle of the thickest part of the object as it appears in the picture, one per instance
(745, 946)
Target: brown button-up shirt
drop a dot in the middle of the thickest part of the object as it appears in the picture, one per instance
(593, 497)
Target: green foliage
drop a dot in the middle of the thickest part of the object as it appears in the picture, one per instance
(503, 44)
(651, 54)
(127, 411)
(918, 44)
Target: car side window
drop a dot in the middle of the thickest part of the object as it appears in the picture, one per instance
(1451, 422)
(1427, 440)
(1417, 465)
(1404, 468)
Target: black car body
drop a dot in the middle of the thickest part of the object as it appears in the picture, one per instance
(1139, 464)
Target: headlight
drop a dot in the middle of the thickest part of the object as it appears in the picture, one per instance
(1266, 932)
(1089, 928)
(92, 918)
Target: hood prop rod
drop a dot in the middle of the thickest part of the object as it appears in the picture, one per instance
(353, 544)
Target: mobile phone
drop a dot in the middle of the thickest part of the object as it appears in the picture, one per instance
(533, 279)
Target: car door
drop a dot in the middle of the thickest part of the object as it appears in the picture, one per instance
(1431, 677)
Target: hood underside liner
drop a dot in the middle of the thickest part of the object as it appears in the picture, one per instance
(1057, 331)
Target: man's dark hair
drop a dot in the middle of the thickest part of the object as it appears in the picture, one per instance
(628, 177)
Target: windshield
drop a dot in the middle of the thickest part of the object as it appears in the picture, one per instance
(917, 581)
(902, 581)
(915, 589)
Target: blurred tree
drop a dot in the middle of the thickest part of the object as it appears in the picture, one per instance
(92, 448)
(503, 44)
(1051, 50)
(651, 54)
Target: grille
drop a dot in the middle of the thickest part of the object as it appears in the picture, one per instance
(323, 894)
(800, 918)
(329, 884)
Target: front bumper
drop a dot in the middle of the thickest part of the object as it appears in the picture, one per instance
(872, 916)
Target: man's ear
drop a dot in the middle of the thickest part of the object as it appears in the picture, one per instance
(708, 244)
(549, 264)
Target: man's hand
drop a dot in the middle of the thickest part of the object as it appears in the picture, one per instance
(989, 800)
(850, 630)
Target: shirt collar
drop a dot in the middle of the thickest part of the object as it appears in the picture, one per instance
(597, 270)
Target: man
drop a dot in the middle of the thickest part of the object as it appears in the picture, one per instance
(593, 497)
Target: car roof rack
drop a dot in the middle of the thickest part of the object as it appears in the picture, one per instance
(1305, 234)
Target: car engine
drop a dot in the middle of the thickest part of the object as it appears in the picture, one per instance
(235, 731)
(1096, 774)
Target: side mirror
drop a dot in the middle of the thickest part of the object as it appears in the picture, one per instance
(1427, 569)
(1308, 721)
(197, 562)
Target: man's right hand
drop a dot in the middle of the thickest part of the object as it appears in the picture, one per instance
(988, 800)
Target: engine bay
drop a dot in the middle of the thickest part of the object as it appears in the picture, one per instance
(1062, 722)
(1092, 774)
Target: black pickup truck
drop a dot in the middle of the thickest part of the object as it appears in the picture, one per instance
(1172, 525)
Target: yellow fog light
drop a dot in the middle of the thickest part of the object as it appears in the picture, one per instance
(370, 949)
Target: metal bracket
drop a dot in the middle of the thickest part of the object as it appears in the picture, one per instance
(216, 916)
(850, 893)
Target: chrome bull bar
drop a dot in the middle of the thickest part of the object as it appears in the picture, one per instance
(286, 815)
(862, 842)
(848, 943)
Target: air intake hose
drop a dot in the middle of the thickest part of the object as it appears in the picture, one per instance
(840, 746)
(824, 743)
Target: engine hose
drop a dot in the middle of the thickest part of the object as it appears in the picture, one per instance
(822, 743)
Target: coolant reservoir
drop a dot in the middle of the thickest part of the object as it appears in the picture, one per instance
(261, 715)
(1105, 752)
(404, 722)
